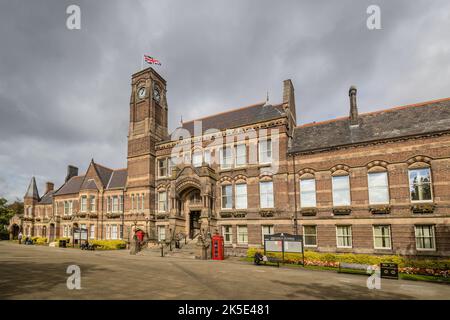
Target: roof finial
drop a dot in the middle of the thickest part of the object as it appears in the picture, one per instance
(181, 120)
(267, 99)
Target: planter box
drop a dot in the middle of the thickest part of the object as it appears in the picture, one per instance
(421, 208)
(380, 209)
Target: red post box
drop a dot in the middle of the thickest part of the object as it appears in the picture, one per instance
(217, 247)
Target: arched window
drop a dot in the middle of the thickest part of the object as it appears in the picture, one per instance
(378, 185)
(307, 186)
(341, 187)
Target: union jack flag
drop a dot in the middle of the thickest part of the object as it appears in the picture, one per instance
(151, 60)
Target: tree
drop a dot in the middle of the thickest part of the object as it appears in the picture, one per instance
(7, 211)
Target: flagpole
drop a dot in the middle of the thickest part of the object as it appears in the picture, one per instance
(142, 62)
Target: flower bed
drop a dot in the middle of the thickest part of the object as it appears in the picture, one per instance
(434, 267)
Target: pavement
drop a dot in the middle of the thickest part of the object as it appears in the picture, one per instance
(39, 272)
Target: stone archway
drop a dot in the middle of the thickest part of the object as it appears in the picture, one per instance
(14, 232)
(190, 206)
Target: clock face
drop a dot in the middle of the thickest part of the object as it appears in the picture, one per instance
(156, 94)
(141, 93)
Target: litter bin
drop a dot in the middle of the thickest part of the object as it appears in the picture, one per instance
(62, 243)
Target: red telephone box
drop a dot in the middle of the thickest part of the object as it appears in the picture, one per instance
(140, 235)
(217, 247)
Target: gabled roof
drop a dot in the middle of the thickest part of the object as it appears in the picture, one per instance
(89, 184)
(47, 198)
(410, 120)
(70, 187)
(118, 179)
(237, 117)
(104, 173)
(32, 191)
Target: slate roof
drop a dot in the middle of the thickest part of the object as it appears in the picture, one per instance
(104, 173)
(237, 117)
(32, 191)
(89, 184)
(70, 187)
(47, 198)
(410, 120)
(118, 179)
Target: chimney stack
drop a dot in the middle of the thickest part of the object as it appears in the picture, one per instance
(289, 99)
(72, 171)
(353, 106)
(49, 186)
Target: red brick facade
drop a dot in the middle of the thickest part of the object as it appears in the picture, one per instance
(185, 199)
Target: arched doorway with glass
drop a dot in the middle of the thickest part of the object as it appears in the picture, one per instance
(191, 207)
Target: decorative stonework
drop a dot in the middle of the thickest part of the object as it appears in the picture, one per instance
(267, 213)
(377, 163)
(339, 167)
(240, 214)
(423, 159)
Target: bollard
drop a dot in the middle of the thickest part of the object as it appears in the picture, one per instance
(162, 250)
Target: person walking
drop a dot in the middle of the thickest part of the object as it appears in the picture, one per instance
(19, 237)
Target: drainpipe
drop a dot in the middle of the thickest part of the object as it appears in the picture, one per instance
(123, 214)
(103, 207)
(295, 197)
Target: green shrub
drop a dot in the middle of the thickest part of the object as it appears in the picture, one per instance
(39, 240)
(109, 244)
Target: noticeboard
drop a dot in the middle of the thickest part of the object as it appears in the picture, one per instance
(293, 246)
(80, 234)
(274, 245)
(284, 243)
(389, 270)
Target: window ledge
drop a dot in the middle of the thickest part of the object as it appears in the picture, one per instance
(308, 211)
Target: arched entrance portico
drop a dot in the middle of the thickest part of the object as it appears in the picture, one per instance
(14, 232)
(190, 206)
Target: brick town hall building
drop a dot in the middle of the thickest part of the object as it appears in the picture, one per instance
(377, 182)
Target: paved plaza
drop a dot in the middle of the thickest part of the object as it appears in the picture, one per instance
(38, 272)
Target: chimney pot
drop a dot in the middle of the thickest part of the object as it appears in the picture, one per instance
(72, 171)
(49, 186)
(353, 106)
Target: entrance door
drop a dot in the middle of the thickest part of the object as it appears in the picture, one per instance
(52, 232)
(194, 223)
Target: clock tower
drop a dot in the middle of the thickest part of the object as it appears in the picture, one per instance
(148, 126)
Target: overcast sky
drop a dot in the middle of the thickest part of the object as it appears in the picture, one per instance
(64, 94)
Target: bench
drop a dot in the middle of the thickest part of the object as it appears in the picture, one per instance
(265, 259)
(353, 266)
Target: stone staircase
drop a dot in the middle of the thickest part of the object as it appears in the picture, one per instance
(188, 250)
